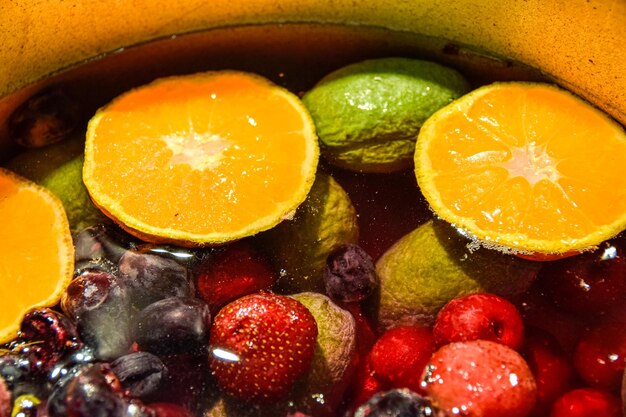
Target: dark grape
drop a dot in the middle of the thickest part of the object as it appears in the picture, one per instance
(102, 241)
(15, 369)
(141, 373)
(184, 256)
(94, 391)
(152, 278)
(100, 305)
(350, 275)
(44, 336)
(173, 325)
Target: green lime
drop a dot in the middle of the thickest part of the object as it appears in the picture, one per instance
(368, 114)
(58, 167)
(433, 264)
(299, 247)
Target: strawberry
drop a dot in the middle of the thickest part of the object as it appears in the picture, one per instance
(260, 344)
(236, 271)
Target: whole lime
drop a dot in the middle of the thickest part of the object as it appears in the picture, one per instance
(58, 167)
(299, 246)
(433, 264)
(368, 114)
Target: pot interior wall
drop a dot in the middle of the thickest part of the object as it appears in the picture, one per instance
(293, 55)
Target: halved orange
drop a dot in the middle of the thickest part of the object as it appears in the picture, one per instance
(526, 167)
(36, 250)
(201, 159)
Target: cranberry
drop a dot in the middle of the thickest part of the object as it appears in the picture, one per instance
(400, 355)
(587, 283)
(600, 356)
(586, 402)
(553, 372)
(479, 316)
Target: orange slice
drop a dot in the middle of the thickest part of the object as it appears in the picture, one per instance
(525, 167)
(36, 250)
(201, 159)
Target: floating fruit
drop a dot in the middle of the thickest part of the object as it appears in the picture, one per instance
(525, 167)
(368, 114)
(201, 159)
(432, 265)
(36, 251)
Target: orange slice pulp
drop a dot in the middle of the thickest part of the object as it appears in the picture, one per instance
(201, 159)
(36, 250)
(525, 167)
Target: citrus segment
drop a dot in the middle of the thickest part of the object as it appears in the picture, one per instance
(201, 159)
(526, 167)
(36, 250)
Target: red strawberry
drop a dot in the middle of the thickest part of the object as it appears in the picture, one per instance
(260, 344)
(237, 271)
(365, 386)
(586, 402)
(400, 355)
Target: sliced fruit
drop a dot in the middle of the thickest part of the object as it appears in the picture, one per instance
(36, 251)
(525, 167)
(201, 159)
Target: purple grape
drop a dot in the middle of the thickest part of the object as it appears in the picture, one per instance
(141, 373)
(173, 325)
(152, 278)
(92, 392)
(102, 241)
(398, 402)
(16, 370)
(45, 335)
(184, 256)
(350, 275)
(100, 305)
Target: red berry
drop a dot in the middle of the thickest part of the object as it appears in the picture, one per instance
(236, 271)
(587, 283)
(586, 402)
(553, 372)
(600, 356)
(479, 316)
(399, 356)
(260, 345)
(365, 386)
(480, 378)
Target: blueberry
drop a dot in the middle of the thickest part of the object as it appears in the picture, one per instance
(151, 278)
(398, 403)
(100, 305)
(350, 275)
(173, 325)
(141, 373)
(15, 370)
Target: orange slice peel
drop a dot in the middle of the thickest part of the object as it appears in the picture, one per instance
(526, 168)
(201, 159)
(36, 250)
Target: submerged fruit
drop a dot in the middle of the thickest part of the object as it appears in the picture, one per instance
(432, 265)
(201, 159)
(300, 246)
(525, 167)
(368, 114)
(36, 251)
